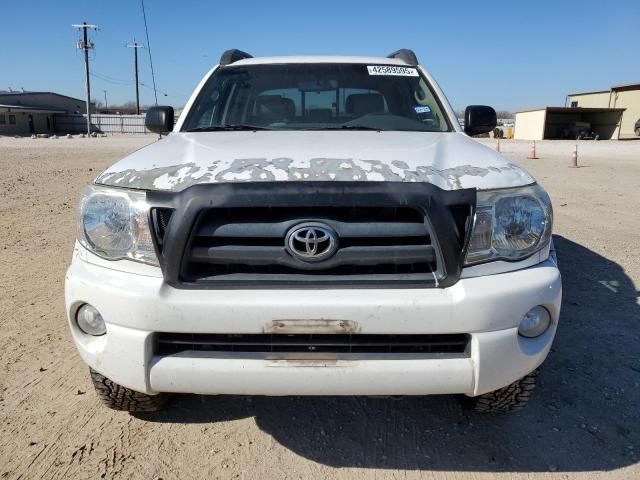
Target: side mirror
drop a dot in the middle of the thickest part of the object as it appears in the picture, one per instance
(479, 119)
(159, 119)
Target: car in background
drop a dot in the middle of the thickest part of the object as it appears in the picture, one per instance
(579, 131)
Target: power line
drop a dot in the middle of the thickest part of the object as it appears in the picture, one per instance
(86, 45)
(111, 80)
(151, 88)
(146, 29)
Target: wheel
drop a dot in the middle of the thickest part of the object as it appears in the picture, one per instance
(638, 132)
(507, 399)
(118, 397)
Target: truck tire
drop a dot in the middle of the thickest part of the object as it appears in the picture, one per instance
(118, 397)
(638, 132)
(507, 399)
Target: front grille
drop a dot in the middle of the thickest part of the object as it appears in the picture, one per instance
(160, 218)
(249, 244)
(430, 344)
(238, 235)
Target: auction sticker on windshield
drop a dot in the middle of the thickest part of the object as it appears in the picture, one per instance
(390, 70)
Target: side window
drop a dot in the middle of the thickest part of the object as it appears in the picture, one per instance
(3, 119)
(574, 104)
(12, 119)
(426, 106)
(207, 109)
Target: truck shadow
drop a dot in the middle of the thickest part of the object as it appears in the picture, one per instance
(584, 415)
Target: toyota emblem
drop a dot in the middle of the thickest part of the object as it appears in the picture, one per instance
(312, 242)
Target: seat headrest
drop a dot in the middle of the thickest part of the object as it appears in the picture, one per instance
(320, 115)
(364, 103)
(275, 107)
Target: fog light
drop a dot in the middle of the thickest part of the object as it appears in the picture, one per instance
(535, 322)
(90, 321)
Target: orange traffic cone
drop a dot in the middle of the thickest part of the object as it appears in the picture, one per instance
(574, 158)
(532, 151)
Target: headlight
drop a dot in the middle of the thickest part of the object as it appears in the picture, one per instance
(510, 224)
(114, 224)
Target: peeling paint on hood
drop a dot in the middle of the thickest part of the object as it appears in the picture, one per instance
(448, 160)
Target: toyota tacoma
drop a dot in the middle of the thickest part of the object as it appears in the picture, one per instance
(314, 226)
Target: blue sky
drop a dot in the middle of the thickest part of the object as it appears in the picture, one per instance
(510, 55)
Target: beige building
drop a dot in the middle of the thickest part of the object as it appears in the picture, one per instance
(621, 96)
(557, 123)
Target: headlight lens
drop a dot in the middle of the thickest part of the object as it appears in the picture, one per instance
(510, 224)
(114, 224)
(90, 321)
(535, 322)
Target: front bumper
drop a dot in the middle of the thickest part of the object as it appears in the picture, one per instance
(137, 304)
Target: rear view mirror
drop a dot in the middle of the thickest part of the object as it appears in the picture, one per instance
(159, 119)
(479, 119)
(320, 85)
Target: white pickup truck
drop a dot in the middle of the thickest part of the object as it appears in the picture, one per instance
(314, 226)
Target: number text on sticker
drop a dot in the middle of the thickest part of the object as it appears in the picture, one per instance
(392, 70)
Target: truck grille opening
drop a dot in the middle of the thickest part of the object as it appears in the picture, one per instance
(425, 344)
(160, 218)
(249, 244)
(247, 234)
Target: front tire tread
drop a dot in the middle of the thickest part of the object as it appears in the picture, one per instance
(508, 399)
(117, 397)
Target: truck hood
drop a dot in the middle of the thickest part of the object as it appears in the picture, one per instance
(448, 160)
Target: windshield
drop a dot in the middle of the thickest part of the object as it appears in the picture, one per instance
(308, 96)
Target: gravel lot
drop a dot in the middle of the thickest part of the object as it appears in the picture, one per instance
(582, 423)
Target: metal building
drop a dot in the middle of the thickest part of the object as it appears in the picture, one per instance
(620, 96)
(17, 120)
(26, 113)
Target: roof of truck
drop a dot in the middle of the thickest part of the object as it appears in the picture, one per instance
(320, 59)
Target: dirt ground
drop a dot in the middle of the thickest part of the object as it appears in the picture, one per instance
(584, 420)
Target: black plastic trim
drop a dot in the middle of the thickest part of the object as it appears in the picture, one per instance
(405, 54)
(434, 202)
(320, 345)
(232, 56)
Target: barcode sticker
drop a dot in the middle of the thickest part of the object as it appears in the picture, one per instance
(392, 70)
(422, 109)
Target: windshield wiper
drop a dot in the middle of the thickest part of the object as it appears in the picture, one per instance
(349, 127)
(228, 127)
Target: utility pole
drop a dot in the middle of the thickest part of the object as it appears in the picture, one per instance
(106, 105)
(86, 45)
(135, 47)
